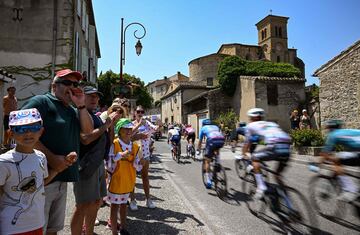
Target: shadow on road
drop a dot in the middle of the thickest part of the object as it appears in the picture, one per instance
(148, 221)
(343, 223)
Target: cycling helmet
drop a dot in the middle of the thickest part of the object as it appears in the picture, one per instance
(256, 112)
(334, 124)
(206, 122)
(170, 127)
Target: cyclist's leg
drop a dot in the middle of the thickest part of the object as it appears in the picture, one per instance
(263, 155)
(207, 160)
(350, 189)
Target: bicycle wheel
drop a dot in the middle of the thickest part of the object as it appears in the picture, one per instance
(255, 206)
(193, 153)
(240, 168)
(220, 181)
(298, 211)
(323, 191)
(178, 154)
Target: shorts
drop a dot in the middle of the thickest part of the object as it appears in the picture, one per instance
(349, 158)
(91, 189)
(212, 145)
(175, 139)
(55, 204)
(191, 137)
(276, 152)
(6, 122)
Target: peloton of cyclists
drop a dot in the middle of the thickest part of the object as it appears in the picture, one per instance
(214, 141)
(277, 147)
(173, 138)
(349, 139)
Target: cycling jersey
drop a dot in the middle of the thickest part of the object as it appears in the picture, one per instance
(348, 138)
(174, 135)
(189, 130)
(214, 139)
(269, 132)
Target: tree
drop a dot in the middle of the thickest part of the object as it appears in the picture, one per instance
(228, 119)
(140, 93)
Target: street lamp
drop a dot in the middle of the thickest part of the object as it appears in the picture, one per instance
(138, 45)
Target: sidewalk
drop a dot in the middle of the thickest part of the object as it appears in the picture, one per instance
(171, 216)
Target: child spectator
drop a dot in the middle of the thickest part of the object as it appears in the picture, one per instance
(22, 174)
(125, 161)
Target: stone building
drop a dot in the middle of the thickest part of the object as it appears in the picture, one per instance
(272, 46)
(340, 87)
(158, 88)
(178, 93)
(43, 36)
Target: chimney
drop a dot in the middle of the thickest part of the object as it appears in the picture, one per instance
(165, 77)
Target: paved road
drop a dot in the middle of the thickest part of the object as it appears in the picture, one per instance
(231, 216)
(184, 206)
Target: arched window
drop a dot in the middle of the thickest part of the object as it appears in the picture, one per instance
(278, 59)
(265, 33)
(276, 31)
(262, 34)
(280, 33)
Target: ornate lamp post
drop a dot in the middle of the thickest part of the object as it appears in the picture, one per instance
(125, 88)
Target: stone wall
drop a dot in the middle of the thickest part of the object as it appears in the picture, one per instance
(290, 96)
(172, 107)
(218, 103)
(244, 97)
(205, 67)
(340, 90)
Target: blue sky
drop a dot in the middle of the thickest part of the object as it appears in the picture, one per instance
(179, 31)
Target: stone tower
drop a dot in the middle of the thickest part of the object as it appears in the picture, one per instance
(272, 37)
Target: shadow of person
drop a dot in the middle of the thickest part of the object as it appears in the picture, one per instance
(161, 216)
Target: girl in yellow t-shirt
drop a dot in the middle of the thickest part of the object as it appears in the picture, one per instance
(125, 158)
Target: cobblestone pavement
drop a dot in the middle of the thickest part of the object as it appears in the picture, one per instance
(171, 216)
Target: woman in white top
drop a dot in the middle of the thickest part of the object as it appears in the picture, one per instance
(145, 128)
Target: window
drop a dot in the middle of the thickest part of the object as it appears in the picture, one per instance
(247, 57)
(78, 8)
(272, 94)
(262, 34)
(209, 82)
(280, 32)
(278, 59)
(77, 52)
(276, 31)
(265, 33)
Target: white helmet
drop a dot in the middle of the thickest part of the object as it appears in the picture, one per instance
(256, 112)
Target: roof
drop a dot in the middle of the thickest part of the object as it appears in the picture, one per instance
(264, 78)
(236, 44)
(337, 58)
(210, 55)
(202, 94)
(271, 16)
(185, 85)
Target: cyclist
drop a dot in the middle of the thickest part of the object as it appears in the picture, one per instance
(349, 139)
(240, 130)
(173, 137)
(189, 134)
(214, 141)
(277, 146)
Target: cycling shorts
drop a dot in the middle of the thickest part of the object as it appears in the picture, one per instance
(175, 139)
(191, 136)
(275, 152)
(349, 158)
(212, 145)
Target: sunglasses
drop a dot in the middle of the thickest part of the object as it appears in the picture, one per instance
(24, 129)
(68, 83)
(120, 110)
(140, 111)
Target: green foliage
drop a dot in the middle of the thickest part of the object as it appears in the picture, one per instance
(227, 120)
(108, 79)
(233, 66)
(307, 137)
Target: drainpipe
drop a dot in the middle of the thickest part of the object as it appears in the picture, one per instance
(54, 39)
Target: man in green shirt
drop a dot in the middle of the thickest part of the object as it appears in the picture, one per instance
(64, 117)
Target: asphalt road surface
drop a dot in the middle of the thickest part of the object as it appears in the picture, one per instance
(185, 206)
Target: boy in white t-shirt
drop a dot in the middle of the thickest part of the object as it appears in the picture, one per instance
(22, 174)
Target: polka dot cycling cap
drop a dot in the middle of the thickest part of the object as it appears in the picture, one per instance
(24, 117)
